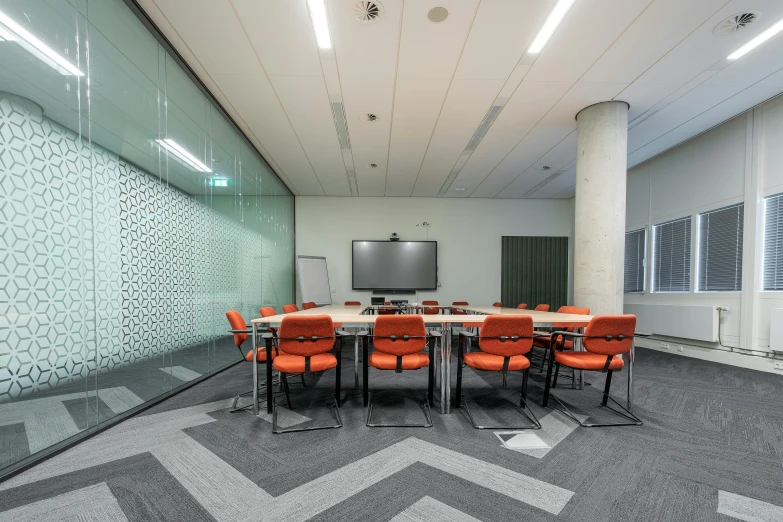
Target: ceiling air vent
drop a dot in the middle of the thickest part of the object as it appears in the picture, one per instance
(367, 11)
(736, 22)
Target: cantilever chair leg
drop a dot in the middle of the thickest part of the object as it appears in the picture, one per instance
(425, 406)
(523, 408)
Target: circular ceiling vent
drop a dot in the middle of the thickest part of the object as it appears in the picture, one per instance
(736, 22)
(368, 11)
(438, 14)
(368, 117)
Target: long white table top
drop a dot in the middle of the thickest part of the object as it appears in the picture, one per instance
(353, 315)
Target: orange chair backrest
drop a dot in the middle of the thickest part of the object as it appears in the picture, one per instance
(267, 311)
(570, 310)
(306, 326)
(353, 303)
(542, 307)
(522, 306)
(497, 304)
(237, 323)
(429, 311)
(508, 325)
(399, 325)
(290, 308)
(459, 312)
(309, 305)
(601, 326)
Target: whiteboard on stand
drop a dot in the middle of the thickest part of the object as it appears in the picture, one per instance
(314, 280)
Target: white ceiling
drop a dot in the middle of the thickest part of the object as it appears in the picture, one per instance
(431, 85)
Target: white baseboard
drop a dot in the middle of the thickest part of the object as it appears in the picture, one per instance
(762, 364)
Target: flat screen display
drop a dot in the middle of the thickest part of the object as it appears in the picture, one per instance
(395, 265)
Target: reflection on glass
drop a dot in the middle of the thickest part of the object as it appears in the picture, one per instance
(137, 216)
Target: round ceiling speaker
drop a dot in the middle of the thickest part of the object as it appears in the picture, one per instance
(438, 14)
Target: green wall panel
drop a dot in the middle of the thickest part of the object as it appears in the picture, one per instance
(534, 271)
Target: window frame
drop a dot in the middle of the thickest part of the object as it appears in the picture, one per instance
(643, 290)
(653, 237)
(700, 239)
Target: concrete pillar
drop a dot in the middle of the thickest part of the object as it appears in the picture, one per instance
(599, 232)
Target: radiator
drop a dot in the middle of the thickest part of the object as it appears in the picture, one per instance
(687, 322)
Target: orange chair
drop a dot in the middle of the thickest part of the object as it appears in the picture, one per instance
(429, 311)
(268, 311)
(241, 333)
(542, 339)
(309, 305)
(387, 311)
(399, 341)
(290, 308)
(504, 344)
(522, 306)
(542, 307)
(353, 303)
(605, 339)
(459, 304)
(497, 304)
(305, 344)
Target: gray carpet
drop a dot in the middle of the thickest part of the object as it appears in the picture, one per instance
(711, 448)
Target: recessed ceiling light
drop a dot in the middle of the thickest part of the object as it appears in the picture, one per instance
(438, 14)
(556, 16)
(459, 189)
(182, 155)
(12, 31)
(320, 23)
(760, 39)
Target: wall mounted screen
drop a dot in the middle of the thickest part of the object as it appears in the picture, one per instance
(395, 265)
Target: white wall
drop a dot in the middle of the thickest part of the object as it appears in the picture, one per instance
(738, 161)
(468, 232)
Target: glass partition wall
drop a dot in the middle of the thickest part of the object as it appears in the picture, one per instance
(132, 216)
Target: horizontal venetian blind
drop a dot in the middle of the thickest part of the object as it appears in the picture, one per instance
(720, 249)
(635, 246)
(773, 242)
(672, 256)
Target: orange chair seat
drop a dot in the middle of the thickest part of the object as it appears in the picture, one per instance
(488, 361)
(260, 355)
(587, 360)
(543, 342)
(296, 364)
(385, 361)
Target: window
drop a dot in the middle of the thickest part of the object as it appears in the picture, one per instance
(635, 254)
(672, 256)
(720, 249)
(773, 242)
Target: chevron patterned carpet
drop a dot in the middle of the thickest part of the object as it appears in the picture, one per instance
(711, 448)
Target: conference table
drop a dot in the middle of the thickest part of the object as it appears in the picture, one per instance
(361, 317)
(358, 317)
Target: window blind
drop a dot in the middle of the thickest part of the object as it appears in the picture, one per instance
(635, 249)
(672, 256)
(720, 249)
(773, 242)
